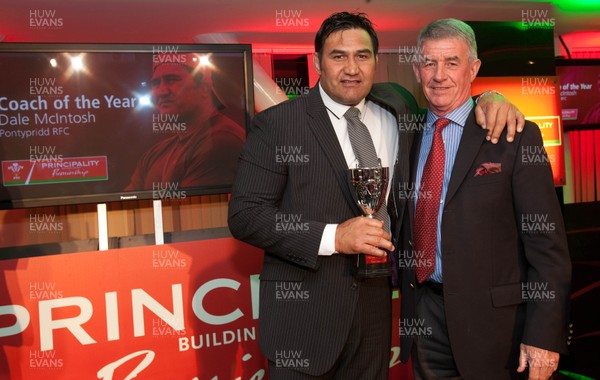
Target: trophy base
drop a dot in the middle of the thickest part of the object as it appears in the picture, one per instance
(364, 269)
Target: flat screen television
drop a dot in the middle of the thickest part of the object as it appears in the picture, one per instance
(579, 92)
(89, 123)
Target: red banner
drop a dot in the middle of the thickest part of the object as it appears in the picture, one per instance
(184, 311)
(178, 311)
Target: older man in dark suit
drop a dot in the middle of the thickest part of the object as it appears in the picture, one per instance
(292, 197)
(486, 270)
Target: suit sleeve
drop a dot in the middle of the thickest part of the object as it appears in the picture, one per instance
(547, 288)
(257, 193)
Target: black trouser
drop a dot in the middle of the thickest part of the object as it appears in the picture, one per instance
(432, 353)
(366, 354)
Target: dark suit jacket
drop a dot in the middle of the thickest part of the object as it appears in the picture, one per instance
(500, 232)
(292, 181)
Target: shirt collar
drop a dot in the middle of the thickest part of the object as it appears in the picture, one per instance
(457, 116)
(338, 110)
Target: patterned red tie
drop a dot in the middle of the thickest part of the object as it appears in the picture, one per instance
(428, 205)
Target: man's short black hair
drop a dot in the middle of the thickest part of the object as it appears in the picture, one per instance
(344, 21)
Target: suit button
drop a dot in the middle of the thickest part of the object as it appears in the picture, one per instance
(410, 243)
(354, 285)
(412, 285)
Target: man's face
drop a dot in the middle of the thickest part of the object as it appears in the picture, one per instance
(347, 66)
(445, 73)
(174, 90)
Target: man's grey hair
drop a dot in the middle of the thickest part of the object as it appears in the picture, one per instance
(449, 28)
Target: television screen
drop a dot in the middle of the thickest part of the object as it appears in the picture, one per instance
(579, 92)
(86, 123)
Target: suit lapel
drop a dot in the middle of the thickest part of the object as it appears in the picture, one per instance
(472, 138)
(322, 129)
(391, 99)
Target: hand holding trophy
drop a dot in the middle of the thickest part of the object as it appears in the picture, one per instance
(370, 185)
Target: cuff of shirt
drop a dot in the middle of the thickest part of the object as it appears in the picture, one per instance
(327, 246)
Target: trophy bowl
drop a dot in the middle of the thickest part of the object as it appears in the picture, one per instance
(370, 185)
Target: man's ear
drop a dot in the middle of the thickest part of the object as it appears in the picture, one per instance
(317, 63)
(475, 68)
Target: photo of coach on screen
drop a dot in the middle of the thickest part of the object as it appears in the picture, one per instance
(204, 144)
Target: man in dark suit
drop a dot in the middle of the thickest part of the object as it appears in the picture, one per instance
(486, 269)
(292, 197)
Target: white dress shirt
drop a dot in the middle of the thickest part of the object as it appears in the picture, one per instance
(382, 126)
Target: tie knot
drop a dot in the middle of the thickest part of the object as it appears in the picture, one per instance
(353, 113)
(441, 123)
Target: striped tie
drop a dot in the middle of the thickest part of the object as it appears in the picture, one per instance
(362, 145)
